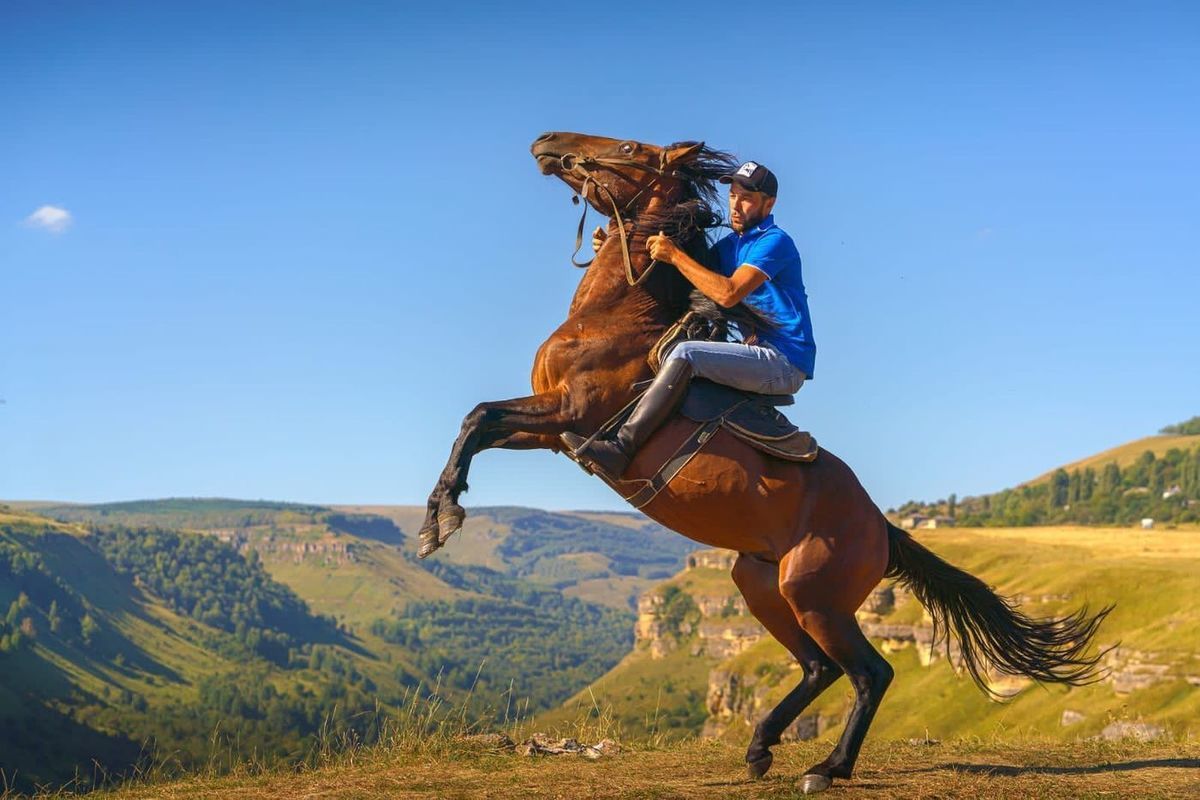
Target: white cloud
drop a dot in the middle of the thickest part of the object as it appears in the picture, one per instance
(50, 218)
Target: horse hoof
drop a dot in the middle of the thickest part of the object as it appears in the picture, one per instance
(450, 520)
(429, 541)
(812, 783)
(758, 768)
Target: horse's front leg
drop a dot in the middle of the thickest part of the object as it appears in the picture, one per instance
(522, 424)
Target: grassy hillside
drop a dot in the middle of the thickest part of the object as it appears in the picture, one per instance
(355, 562)
(601, 557)
(1152, 577)
(658, 690)
(1155, 478)
(641, 698)
(96, 664)
(192, 626)
(345, 564)
(1124, 455)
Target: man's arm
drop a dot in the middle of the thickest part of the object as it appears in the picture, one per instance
(726, 292)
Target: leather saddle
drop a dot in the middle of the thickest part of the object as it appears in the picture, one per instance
(753, 418)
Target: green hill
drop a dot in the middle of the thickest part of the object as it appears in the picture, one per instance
(1157, 477)
(265, 621)
(113, 640)
(659, 688)
(602, 557)
(1125, 455)
(703, 649)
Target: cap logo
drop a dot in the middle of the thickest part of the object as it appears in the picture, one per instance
(747, 169)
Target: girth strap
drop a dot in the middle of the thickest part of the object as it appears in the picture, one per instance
(672, 466)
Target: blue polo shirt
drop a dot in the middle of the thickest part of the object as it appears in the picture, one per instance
(781, 297)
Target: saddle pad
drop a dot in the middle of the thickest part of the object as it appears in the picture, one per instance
(798, 446)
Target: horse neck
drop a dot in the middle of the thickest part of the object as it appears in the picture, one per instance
(605, 284)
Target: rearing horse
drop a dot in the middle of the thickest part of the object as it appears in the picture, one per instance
(812, 544)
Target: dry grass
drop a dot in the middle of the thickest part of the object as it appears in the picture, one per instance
(1107, 542)
(705, 769)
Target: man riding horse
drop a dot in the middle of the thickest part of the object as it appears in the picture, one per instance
(758, 265)
(811, 543)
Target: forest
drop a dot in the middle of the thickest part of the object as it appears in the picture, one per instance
(527, 642)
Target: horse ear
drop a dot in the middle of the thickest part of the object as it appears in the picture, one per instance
(683, 152)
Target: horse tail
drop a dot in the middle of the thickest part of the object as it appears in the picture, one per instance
(989, 628)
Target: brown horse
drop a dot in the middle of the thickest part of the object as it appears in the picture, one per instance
(812, 544)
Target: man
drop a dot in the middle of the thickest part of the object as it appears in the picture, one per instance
(758, 265)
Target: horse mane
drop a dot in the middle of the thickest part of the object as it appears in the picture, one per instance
(695, 212)
(690, 221)
(749, 320)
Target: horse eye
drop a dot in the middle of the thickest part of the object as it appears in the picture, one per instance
(627, 147)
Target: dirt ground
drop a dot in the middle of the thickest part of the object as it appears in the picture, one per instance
(980, 771)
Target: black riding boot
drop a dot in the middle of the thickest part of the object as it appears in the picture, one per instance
(670, 386)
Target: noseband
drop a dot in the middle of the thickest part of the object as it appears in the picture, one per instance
(583, 167)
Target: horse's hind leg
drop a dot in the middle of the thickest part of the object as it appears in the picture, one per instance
(838, 634)
(758, 581)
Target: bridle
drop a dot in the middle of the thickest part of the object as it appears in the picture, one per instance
(583, 167)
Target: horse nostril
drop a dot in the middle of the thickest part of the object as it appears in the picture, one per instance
(545, 137)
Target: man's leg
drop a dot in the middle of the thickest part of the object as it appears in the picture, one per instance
(748, 367)
(752, 368)
(665, 394)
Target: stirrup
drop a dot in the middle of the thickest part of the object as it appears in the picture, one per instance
(579, 454)
(574, 441)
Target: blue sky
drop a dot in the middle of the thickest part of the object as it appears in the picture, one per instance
(304, 239)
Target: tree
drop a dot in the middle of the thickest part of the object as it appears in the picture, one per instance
(1139, 473)
(1089, 483)
(1060, 488)
(1190, 479)
(1110, 479)
(1189, 428)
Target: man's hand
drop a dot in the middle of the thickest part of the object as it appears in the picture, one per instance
(663, 249)
(599, 236)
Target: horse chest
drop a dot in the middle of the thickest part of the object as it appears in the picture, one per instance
(589, 347)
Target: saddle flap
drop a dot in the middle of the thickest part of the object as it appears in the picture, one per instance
(707, 400)
(751, 417)
(760, 421)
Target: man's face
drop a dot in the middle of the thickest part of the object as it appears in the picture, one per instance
(747, 208)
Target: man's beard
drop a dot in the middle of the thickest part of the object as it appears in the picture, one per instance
(746, 224)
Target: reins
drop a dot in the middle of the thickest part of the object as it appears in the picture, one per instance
(583, 167)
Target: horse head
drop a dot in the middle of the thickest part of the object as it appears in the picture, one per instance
(631, 176)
